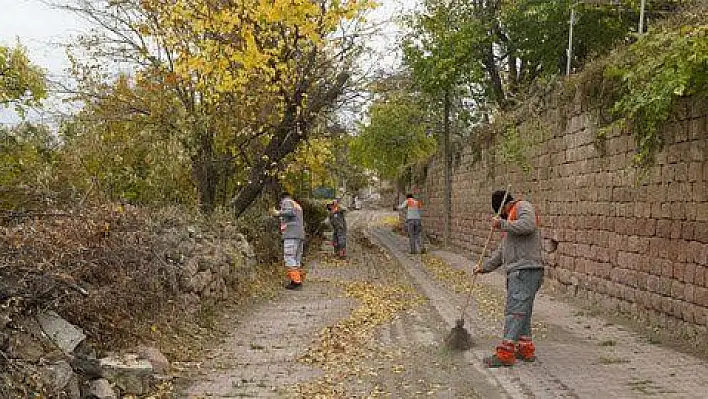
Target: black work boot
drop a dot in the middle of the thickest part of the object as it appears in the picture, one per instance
(293, 286)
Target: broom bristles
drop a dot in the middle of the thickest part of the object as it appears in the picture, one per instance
(459, 338)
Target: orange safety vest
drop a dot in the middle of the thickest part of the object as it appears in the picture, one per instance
(413, 203)
(513, 216)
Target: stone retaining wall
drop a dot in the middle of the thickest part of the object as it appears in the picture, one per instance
(639, 248)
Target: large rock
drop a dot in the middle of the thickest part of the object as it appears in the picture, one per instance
(58, 378)
(128, 372)
(159, 362)
(64, 334)
(101, 389)
(87, 366)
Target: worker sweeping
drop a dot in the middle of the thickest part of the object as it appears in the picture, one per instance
(413, 223)
(339, 228)
(520, 254)
(292, 227)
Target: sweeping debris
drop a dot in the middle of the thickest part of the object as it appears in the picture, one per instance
(459, 338)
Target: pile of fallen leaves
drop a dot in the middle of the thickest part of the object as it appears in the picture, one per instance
(343, 345)
(389, 221)
(489, 303)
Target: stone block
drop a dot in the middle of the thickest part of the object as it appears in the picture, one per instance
(663, 228)
(641, 279)
(701, 231)
(689, 291)
(666, 305)
(701, 209)
(699, 278)
(699, 315)
(653, 283)
(101, 389)
(656, 301)
(687, 230)
(677, 290)
(700, 296)
(689, 273)
(129, 373)
(665, 285)
(679, 270)
(60, 380)
(695, 172)
(64, 334)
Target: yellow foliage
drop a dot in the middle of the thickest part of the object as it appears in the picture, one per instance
(225, 47)
(314, 155)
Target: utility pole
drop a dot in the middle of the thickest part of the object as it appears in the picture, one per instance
(569, 51)
(447, 165)
(641, 17)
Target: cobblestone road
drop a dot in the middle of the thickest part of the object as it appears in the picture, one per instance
(580, 355)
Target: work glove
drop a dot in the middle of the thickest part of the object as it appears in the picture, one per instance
(496, 222)
(478, 269)
(274, 212)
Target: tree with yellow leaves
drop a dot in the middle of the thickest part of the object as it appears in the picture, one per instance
(22, 83)
(251, 76)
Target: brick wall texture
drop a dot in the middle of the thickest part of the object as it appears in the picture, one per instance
(642, 248)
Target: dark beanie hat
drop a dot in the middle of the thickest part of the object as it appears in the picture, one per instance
(497, 198)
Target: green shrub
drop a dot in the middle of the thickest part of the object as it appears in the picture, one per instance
(314, 212)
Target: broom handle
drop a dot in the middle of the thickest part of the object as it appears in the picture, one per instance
(484, 250)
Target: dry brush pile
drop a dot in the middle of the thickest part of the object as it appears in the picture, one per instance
(120, 273)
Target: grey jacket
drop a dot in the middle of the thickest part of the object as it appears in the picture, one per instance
(292, 223)
(338, 221)
(521, 245)
(412, 207)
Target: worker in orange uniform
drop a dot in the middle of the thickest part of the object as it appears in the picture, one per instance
(339, 228)
(292, 227)
(413, 222)
(520, 254)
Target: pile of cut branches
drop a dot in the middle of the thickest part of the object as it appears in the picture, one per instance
(99, 268)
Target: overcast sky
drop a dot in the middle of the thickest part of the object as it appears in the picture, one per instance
(43, 31)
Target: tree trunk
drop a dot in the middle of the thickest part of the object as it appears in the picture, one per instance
(493, 71)
(286, 137)
(283, 143)
(448, 166)
(205, 173)
(513, 73)
(249, 193)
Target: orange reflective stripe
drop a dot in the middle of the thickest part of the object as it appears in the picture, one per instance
(512, 212)
(294, 276)
(513, 216)
(412, 203)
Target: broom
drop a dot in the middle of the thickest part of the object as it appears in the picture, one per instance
(459, 338)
